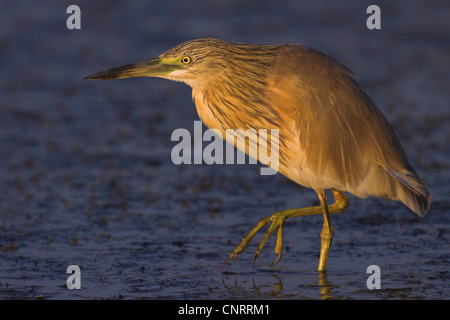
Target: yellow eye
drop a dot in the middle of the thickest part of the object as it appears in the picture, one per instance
(186, 60)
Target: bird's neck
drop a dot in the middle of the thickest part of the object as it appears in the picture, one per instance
(205, 111)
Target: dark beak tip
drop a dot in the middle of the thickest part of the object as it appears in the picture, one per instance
(98, 76)
(94, 76)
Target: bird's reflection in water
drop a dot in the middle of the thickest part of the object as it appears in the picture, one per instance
(324, 285)
(278, 286)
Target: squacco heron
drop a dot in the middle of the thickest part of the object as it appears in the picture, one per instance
(331, 135)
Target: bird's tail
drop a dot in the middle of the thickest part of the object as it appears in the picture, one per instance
(411, 191)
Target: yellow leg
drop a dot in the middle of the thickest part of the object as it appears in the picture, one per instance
(326, 236)
(277, 219)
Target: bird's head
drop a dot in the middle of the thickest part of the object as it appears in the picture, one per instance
(195, 63)
(187, 62)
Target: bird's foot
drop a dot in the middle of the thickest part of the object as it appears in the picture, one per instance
(276, 220)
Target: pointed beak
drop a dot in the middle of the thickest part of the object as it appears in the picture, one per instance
(149, 68)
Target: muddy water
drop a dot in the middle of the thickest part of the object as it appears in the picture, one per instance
(86, 176)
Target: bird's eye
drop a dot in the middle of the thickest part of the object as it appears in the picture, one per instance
(186, 60)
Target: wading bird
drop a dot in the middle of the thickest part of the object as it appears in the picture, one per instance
(331, 135)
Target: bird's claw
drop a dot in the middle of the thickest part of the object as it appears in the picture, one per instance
(276, 223)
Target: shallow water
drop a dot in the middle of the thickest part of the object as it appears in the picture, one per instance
(86, 176)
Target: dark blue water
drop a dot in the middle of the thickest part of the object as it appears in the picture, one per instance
(86, 176)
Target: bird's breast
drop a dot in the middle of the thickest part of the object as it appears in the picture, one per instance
(249, 134)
